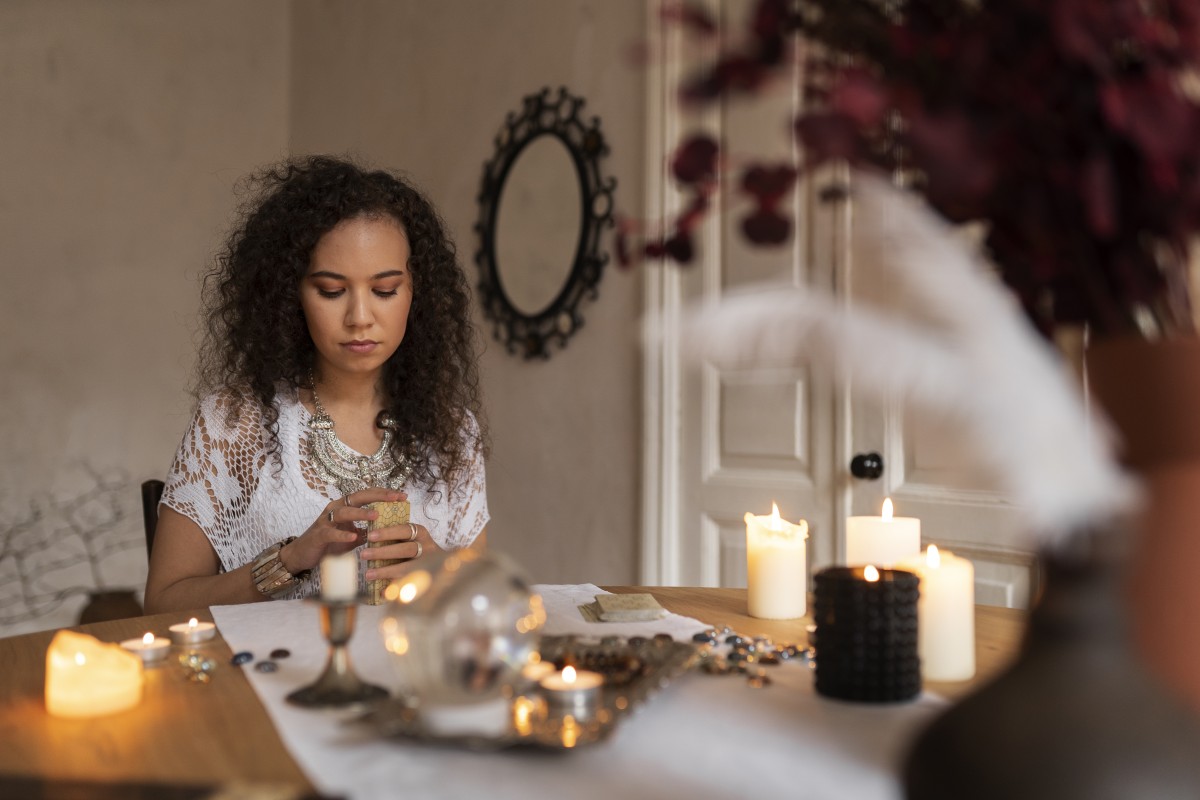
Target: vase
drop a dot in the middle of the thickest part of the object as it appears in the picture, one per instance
(108, 604)
(1151, 393)
(1076, 716)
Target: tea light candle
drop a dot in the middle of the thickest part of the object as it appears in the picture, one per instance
(534, 671)
(150, 648)
(884, 540)
(339, 576)
(946, 614)
(193, 632)
(87, 678)
(865, 637)
(776, 566)
(574, 692)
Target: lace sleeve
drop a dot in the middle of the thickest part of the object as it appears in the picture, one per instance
(216, 470)
(466, 510)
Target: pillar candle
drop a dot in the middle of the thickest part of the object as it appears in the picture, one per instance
(884, 541)
(865, 636)
(339, 576)
(946, 614)
(776, 566)
(87, 678)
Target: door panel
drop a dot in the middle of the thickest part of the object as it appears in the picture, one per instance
(721, 443)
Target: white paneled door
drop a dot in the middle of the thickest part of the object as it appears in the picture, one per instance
(719, 443)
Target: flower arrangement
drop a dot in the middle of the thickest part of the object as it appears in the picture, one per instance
(1070, 128)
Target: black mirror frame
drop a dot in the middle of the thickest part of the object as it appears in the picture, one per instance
(559, 117)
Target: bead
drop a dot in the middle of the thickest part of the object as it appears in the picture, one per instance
(241, 658)
(704, 638)
(266, 666)
(280, 653)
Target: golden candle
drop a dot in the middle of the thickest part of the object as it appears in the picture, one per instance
(87, 678)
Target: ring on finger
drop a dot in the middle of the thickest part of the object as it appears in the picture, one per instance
(420, 550)
(412, 532)
(346, 500)
(331, 522)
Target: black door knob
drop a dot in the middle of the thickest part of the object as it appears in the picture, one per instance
(868, 466)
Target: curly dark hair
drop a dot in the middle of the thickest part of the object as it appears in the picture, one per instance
(257, 339)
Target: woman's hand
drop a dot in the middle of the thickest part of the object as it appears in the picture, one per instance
(406, 542)
(334, 532)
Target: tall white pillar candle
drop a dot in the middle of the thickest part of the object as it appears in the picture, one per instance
(339, 576)
(776, 566)
(945, 615)
(884, 541)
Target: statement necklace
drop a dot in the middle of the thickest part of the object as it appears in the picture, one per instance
(350, 471)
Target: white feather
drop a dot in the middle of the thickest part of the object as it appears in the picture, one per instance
(964, 349)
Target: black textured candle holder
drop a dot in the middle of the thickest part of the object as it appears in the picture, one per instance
(865, 642)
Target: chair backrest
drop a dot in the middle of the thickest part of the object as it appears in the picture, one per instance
(151, 494)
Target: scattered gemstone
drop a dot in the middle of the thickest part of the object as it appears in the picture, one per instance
(280, 653)
(241, 658)
(759, 680)
(705, 638)
(266, 666)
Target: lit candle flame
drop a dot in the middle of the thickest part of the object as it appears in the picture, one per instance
(932, 557)
(80, 659)
(568, 675)
(775, 523)
(871, 574)
(192, 623)
(148, 640)
(887, 508)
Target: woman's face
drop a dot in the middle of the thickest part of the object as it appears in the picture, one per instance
(356, 295)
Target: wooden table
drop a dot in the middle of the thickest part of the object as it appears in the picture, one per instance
(188, 733)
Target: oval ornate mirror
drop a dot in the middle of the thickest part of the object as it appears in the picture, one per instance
(543, 204)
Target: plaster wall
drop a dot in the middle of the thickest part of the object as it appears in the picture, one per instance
(124, 127)
(424, 87)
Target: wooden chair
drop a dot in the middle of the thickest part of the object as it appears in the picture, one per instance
(151, 494)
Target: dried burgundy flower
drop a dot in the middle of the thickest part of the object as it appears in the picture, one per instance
(766, 227)
(696, 160)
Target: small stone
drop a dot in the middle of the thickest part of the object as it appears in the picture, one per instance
(266, 666)
(280, 653)
(664, 638)
(758, 680)
(704, 638)
(243, 657)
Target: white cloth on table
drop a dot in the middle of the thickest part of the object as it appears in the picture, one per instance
(701, 737)
(224, 480)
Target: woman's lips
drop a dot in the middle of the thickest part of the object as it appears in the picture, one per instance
(360, 347)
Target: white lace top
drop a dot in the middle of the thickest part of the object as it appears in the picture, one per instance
(225, 480)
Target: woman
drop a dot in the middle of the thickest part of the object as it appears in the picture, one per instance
(338, 370)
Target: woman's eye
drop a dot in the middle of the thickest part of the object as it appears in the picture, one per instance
(330, 293)
(385, 293)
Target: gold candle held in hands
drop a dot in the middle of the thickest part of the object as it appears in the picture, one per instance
(390, 515)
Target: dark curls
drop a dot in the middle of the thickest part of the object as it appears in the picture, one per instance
(257, 339)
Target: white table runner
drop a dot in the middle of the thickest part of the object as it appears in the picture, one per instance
(702, 737)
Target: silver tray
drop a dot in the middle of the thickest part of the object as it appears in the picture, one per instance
(634, 669)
